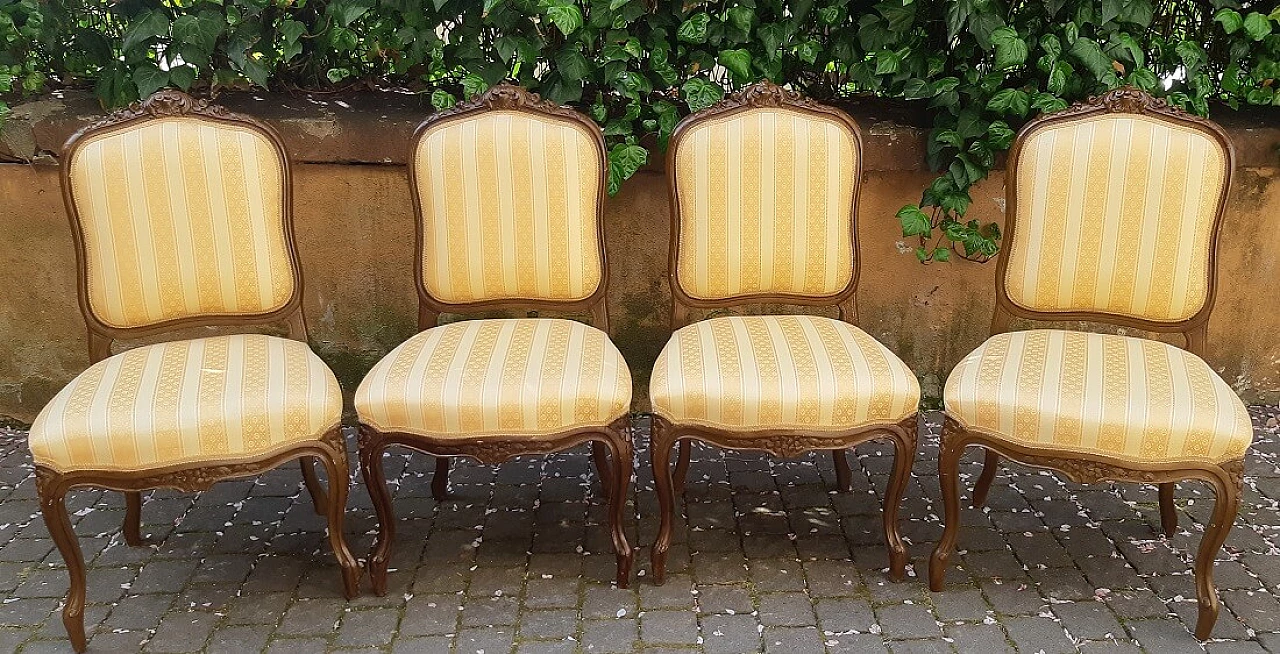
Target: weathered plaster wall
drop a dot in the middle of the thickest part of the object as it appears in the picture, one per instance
(355, 232)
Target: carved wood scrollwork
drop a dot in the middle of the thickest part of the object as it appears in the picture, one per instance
(167, 103)
(1128, 100)
(505, 97)
(788, 444)
(496, 449)
(193, 477)
(1087, 469)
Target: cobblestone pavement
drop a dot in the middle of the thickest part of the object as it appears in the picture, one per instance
(768, 559)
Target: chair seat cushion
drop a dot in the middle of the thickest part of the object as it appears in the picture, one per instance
(1132, 399)
(808, 373)
(510, 377)
(208, 400)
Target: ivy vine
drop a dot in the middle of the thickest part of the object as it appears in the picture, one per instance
(982, 67)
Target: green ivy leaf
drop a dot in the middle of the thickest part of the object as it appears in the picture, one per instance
(1191, 54)
(624, 160)
(149, 79)
(200, 31)
(1010, 101)
(292, 30)
(1049, 103)
(1230, 19)
(145, 28)
(441, 99)
(1088, 52)
(742, 18)
(694, 30)
(182, 77)
(1011, 49)
(699, 93)
(572, 65)
(887, 62)
(473, 85)
(771, 36)
(738, 62)
(941, 255)
(348, 12)
(900, 16)
(914, 221)
(1257, 26)
(564, 14)
(1000, 134)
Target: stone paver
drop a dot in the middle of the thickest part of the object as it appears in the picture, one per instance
(766, 558)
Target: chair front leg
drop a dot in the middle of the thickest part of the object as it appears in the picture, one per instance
(319, 500)
(619, 446)
(54, 509)
(335, 464)
(372, 446)
(133, 518)
(904, 444)
(1228, 484)
(660, 459)
(949, 478)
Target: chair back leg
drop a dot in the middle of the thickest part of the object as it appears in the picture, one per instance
(133, 518)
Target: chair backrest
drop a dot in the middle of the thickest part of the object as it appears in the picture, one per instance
(764, 188)
(1114, 207)
(182, 215)
(509, 195)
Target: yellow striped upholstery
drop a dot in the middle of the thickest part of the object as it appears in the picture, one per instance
(765, 201)
(780, 372)
(199, 401)
(511, 377)
(1130, 398)
(181, 217)
(509, 205)
(1115, 214)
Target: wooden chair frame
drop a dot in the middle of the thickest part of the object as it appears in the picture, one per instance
(611, 445)
(330, 448)
(1225, 479)
(783, 443)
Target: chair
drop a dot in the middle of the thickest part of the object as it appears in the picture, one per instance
(182, 217)
(764, 189)
(509, 192)
(1114, 210)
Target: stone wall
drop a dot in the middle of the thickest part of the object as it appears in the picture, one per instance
(355, 232)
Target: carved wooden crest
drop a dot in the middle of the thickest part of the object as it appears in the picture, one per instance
(509, 97)
(1128, 100)
(166, 103)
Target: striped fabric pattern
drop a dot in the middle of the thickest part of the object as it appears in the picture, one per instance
(181, 217)
(509, 207)
(780, 372)
(1115, 214)
(765, 201)
(207, 400)
(503, 377)
(1130, 398)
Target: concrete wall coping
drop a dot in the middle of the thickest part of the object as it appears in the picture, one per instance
(373, 127)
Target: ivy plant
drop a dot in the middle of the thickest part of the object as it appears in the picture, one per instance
(981, 68)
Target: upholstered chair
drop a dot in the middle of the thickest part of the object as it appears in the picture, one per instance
(508, 191)
(764, 188)
(182, 217)
(1114, 208)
